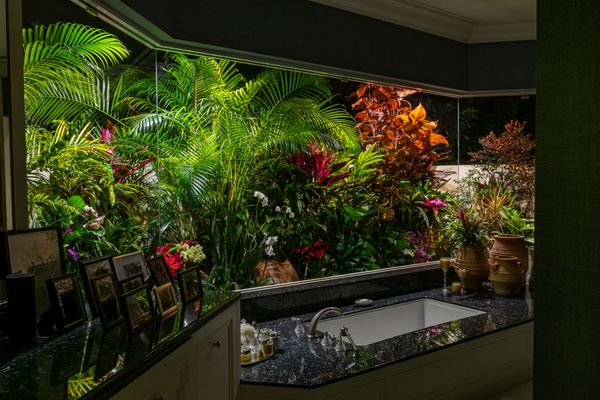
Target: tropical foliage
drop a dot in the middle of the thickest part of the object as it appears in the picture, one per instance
(244, 167)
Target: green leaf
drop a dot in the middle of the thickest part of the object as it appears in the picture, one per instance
(77, 202)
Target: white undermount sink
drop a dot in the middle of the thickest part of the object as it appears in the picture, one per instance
(374, 325)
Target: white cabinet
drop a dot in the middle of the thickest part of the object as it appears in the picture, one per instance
(167, 380)
(216, 350)
(205, 367)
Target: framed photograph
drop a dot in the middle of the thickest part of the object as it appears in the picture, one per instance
(138, 308)
(90, 269)
(106, 297)
(132, 283)
(158, 269)
(65, 297)
(190, 285)
(128, 265)
(165, 298)
(38, 252)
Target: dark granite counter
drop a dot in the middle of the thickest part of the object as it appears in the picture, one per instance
(302, 362)
(92, 363)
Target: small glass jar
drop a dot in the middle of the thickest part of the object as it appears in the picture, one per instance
(266, 344)
(246, 355)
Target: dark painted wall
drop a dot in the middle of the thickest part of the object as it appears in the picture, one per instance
(302, 30)
(567, 322)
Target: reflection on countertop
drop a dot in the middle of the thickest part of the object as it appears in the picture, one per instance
(90, 362)
(302, 362)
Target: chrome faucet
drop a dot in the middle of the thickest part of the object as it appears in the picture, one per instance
(312, 327)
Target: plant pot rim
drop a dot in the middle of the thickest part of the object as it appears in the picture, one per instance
(508, 236)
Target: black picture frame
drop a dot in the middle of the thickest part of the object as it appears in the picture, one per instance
(127, 265)
(158, 269)
(190, 285)
(139, 310)
(66, 301)
(36, 251)
(90, 269)
(133, 282)
(166, 299)
(106, 296)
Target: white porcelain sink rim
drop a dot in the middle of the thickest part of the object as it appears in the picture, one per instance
(459, 312)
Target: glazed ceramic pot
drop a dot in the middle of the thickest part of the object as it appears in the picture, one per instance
(510, 246)
(475, 259)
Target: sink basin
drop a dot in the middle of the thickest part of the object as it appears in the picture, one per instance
(378, 324)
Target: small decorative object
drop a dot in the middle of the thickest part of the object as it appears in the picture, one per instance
(445, 266)
(510, 246)
(506, 276)
(462, 274)
(248, 334)
(456, 287)
(165, 299)
(107, 300)
(38, 252)
(245, 355)
(363, 302)
(299, 329)
(158, 270)
(90, 269)
(128, 265)
(190, 284)
(66, 301)
(138, 308)
(134, 282)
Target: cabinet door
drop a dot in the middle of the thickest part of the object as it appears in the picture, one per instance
(167, 380)
(214, 373)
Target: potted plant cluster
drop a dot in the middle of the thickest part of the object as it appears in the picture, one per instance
(469, 238)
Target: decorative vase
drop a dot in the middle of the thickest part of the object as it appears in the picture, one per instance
(276, 271)
(506, 275)
(510, 246)
(475, 259)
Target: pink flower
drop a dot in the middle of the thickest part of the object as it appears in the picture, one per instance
(434, 204)
(105, 136)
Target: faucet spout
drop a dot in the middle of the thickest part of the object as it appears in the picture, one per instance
(312, 327)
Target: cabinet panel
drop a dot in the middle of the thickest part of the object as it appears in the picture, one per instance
(213, 374)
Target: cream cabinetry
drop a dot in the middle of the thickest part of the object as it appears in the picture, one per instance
(206, 366)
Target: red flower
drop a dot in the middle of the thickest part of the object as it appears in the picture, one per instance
(316, 250)
(172, 258)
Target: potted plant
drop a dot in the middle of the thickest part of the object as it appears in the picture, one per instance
(469, 238)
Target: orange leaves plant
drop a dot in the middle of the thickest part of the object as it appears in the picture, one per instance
(411, 142)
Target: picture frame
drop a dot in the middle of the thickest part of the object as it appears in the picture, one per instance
(90, 269)
(134, 282)
(158, 269)
(130, 264)
(139, 310)
(165, 328)
(106, 296)
(165, 299)
(190, 285)
(67, 304)
(39, 252)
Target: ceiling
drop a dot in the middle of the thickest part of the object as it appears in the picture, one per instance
(467, 21)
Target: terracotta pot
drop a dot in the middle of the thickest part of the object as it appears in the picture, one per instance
(277, 271)
(510, 246)
(507, 265)
(506, 284)
(475, 260)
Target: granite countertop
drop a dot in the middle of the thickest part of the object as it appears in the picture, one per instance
(302, 362)
(90, 362)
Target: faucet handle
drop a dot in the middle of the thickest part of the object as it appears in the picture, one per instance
(299, 330)
(326, 341)
(340, 345)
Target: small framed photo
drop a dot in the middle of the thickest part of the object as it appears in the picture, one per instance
(158, 269)
(90, 269)
(165, 298)
(132, 283)
(107, 299)
(128, 265)
(190, 284)
(138, 308)
(66, 301)
(38, 252)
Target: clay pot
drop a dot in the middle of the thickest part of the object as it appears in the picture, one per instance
(506, 276)
(277, 271)
(475, 260)
(510, 246)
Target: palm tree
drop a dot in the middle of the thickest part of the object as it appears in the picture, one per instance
(217, 131)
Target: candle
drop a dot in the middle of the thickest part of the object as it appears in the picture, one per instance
(456, 287)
